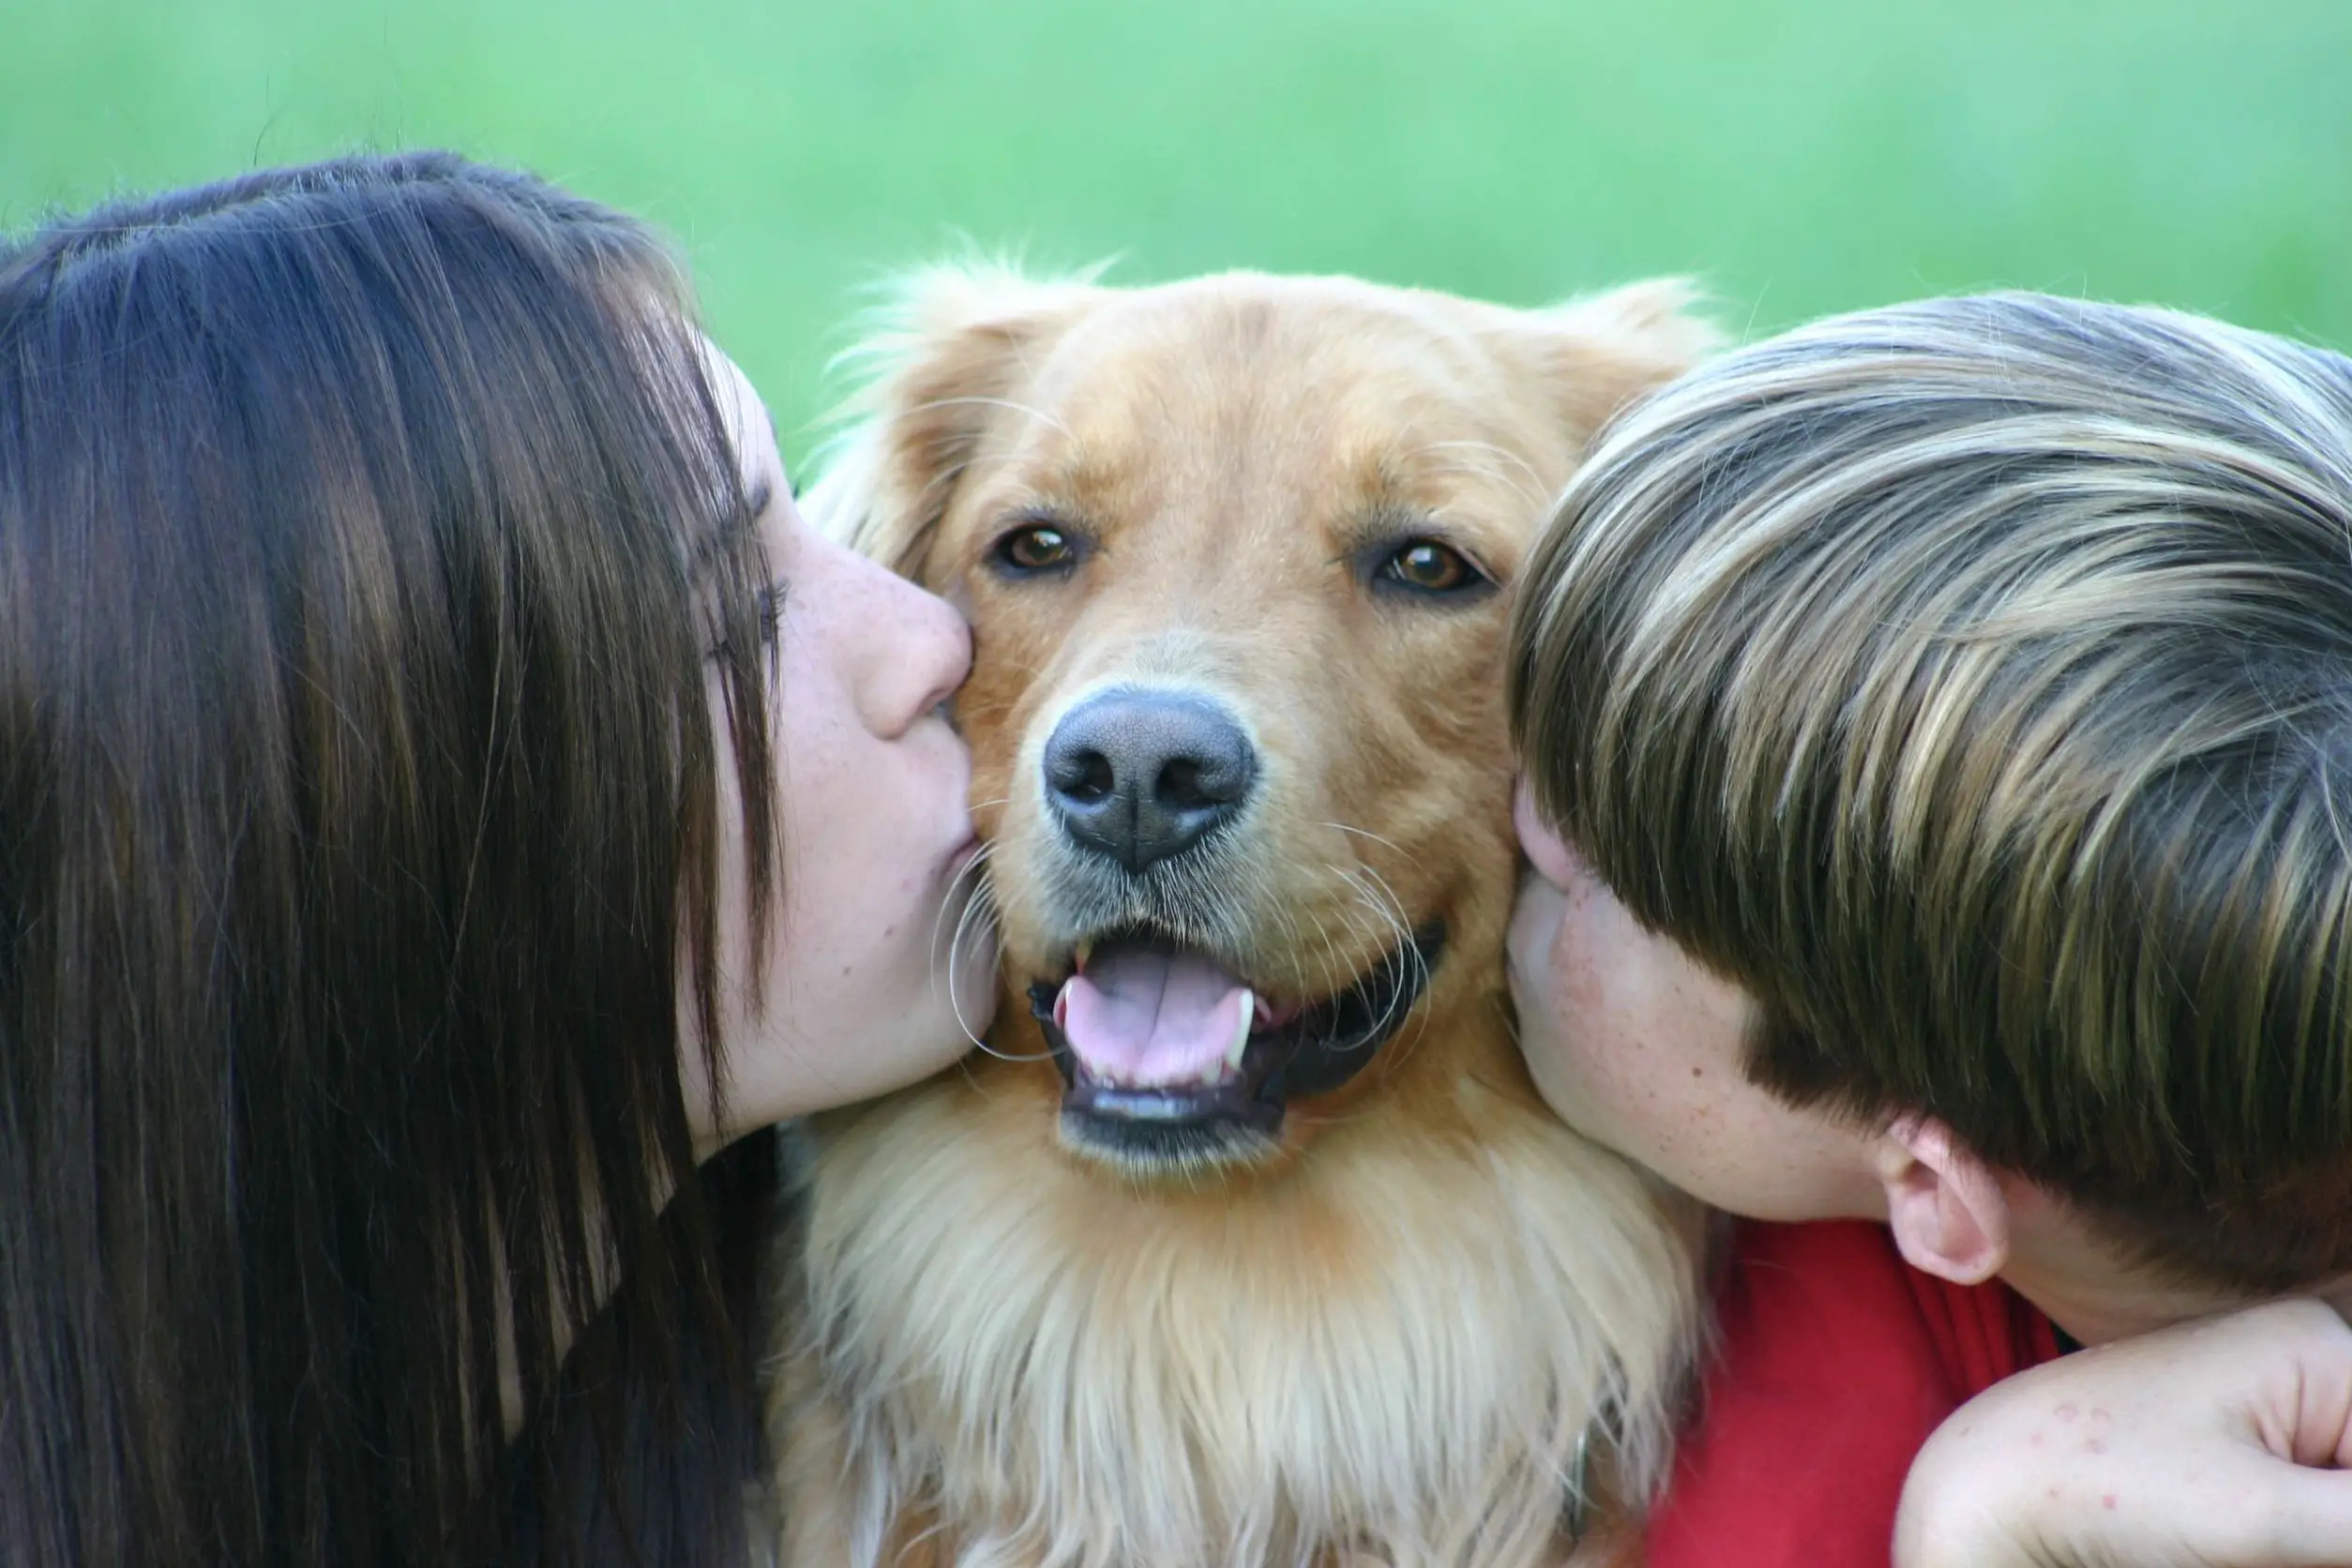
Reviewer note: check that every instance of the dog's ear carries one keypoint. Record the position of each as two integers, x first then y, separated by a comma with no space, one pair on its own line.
939,363
1601,352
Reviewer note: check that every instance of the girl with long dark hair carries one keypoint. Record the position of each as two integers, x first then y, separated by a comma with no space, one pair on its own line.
447,795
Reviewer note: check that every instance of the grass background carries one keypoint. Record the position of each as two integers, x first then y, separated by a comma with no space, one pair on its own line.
1799,156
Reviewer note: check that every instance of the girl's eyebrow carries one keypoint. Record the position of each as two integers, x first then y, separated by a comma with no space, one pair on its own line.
761,495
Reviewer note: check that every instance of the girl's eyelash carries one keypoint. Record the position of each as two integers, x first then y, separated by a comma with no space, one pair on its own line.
767,613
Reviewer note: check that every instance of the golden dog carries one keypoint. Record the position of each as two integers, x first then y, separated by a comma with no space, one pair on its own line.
1248,1241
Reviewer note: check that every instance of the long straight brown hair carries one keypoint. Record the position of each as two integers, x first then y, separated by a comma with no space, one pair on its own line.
366,533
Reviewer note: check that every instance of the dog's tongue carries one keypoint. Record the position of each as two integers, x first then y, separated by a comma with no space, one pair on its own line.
1145,1018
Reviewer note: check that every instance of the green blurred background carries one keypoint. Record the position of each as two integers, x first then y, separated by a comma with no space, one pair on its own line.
1797,155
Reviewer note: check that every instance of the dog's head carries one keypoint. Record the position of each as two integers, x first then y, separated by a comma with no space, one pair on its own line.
1236,554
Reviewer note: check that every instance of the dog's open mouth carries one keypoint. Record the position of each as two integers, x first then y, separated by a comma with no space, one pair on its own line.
1168,1056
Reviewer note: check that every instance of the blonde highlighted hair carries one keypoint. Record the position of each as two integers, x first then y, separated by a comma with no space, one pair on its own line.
1973,681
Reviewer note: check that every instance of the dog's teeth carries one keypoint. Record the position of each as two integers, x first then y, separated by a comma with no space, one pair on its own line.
1241,1030
1085,951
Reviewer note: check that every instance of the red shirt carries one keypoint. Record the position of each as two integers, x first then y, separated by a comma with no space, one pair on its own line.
1834,1360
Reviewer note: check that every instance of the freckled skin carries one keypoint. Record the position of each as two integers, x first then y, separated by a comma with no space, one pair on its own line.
872,796
2228,1435
1638,1045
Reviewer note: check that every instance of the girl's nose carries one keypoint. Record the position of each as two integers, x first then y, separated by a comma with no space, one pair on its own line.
912,649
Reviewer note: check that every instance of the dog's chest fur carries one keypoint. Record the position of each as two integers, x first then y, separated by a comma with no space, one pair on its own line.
1392,1359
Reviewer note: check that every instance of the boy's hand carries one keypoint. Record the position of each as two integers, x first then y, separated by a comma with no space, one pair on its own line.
2219,1443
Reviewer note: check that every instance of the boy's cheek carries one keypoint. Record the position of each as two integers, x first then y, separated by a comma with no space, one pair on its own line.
1534,939
1538,983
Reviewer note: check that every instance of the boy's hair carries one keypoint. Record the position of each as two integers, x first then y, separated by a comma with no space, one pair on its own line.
1971,679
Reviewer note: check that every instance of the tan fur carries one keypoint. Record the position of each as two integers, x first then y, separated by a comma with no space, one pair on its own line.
1388,1340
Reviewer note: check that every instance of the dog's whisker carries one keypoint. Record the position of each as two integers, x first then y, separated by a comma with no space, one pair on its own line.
1389,844
1404,923
1532,499
1407,951
1378,900
1332,964
1529,488
1009,404
1491,449
1382,897
979,910
974,869
978,916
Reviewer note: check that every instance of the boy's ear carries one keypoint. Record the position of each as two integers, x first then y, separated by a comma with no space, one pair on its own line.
1945,1206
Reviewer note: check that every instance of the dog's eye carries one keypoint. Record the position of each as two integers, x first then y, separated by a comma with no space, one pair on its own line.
1427,566
1037,547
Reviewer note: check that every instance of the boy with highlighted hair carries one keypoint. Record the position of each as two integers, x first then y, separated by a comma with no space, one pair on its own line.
1937,726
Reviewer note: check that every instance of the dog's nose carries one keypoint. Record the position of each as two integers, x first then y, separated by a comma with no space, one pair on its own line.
1139,775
